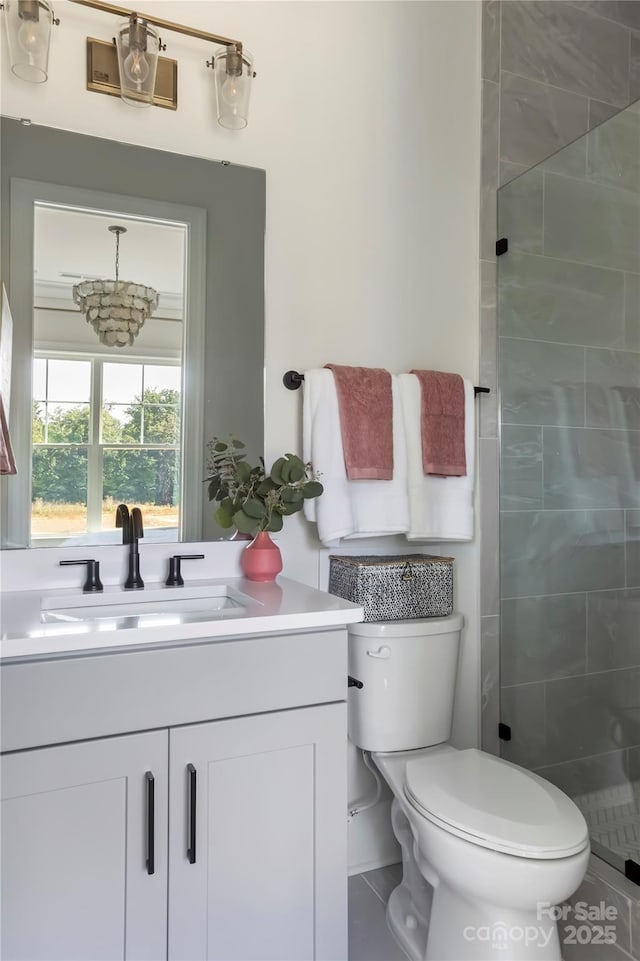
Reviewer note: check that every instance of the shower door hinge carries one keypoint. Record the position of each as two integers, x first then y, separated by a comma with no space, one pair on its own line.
632,870
502,246
504,732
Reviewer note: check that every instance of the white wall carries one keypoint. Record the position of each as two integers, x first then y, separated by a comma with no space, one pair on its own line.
366,117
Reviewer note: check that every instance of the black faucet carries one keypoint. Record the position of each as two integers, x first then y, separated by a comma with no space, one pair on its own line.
132,530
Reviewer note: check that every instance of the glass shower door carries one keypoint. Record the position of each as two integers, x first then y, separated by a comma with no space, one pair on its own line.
569,349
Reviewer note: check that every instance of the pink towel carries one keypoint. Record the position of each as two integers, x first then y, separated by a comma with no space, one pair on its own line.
7,461
442,423
365,403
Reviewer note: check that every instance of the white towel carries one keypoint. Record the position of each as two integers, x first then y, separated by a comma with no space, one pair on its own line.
349,509
440,508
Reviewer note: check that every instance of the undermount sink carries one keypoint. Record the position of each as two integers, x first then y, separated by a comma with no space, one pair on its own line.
147,608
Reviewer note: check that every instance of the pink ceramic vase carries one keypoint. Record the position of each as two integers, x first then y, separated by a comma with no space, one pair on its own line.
261,560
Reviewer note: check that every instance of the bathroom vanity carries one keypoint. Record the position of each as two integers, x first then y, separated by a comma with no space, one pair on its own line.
174,789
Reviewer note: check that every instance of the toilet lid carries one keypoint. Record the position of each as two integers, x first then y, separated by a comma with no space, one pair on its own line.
495,804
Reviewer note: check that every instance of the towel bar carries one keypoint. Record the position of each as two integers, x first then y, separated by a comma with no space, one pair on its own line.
292,380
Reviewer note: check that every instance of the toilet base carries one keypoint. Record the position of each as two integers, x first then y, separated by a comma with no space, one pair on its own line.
433,921
459,931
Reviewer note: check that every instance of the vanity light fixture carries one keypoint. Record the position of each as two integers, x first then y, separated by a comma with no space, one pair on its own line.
116,309
138,44
29,33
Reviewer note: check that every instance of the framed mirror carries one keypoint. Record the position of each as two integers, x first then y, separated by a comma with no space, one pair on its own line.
93,423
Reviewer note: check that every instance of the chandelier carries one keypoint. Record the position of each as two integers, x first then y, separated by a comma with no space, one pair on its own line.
116,309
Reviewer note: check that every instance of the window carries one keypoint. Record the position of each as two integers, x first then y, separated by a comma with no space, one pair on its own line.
104,432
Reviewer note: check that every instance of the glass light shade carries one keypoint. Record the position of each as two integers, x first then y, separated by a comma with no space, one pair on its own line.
233,75
138,46
29,33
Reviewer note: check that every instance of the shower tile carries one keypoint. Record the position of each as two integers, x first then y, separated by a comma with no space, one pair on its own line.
626,12
613,155
542,638
563,48
570,161
591,223
536,120
632,549
488,403
553,300
587,774
592,714
599,112
520,212
489,575
489,169
523,709
593,469
613,629
632,311
541,383
521,468
634,70
490,691
613,389
491,40
561,552
509,171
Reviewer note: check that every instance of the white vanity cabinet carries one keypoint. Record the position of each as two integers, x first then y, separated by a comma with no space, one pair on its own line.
256,838
235,787
75,881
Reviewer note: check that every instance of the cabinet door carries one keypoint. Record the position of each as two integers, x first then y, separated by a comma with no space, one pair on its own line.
76,838
257,838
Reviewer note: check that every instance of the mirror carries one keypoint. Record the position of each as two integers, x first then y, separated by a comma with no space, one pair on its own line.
195,233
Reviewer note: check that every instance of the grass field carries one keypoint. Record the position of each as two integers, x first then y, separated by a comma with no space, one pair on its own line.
65,519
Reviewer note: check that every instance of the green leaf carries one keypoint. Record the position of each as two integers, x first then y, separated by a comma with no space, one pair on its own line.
237,443
312,489
244,523
277,471
254,508
243,472
213,488
292,495
223,516
287,509
275,524
296,472
265,487
219,446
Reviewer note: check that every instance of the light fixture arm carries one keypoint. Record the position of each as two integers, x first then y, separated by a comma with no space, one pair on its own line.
163,24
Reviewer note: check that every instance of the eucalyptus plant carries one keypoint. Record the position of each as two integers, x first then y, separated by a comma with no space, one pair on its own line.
249,498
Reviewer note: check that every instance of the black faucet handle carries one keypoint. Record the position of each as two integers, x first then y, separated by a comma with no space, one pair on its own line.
175,578
92,584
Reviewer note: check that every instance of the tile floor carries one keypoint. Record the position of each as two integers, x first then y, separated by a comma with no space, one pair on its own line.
370,939
613,816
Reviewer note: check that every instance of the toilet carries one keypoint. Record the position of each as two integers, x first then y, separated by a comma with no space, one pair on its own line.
488,848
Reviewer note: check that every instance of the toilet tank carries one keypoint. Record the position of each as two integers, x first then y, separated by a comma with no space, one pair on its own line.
408,671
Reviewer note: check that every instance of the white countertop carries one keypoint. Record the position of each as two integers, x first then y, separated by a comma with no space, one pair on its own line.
283,605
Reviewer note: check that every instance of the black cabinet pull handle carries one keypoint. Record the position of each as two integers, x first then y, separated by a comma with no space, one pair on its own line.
191,850
151,822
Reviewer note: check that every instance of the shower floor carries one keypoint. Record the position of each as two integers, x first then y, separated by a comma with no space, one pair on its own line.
613,817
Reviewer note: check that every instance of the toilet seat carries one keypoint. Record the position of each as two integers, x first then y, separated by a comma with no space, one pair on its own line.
495,804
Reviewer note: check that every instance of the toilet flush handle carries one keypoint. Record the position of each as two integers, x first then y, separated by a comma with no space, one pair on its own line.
383,652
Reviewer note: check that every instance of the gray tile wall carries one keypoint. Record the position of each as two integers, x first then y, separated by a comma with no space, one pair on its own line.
551,72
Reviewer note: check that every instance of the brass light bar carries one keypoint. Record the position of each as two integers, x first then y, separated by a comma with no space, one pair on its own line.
164,24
